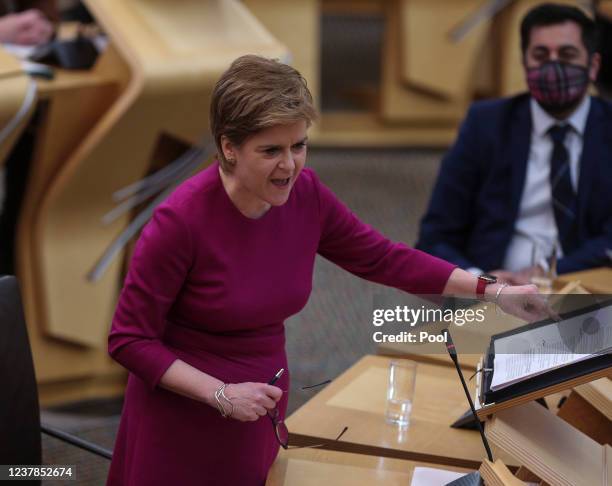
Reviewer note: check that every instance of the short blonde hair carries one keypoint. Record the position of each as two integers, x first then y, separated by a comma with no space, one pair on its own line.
257,93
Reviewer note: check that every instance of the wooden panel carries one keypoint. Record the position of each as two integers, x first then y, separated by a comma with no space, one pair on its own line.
352,7
68,117
400,103
599,394
582,415
494,408
174,55
99,130
301,38
497,474
367,130
109,384
439,400
548,446
73,103
430,59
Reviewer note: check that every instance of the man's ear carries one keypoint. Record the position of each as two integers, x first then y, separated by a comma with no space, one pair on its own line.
594,66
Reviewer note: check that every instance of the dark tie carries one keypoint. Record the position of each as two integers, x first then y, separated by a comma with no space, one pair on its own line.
564,199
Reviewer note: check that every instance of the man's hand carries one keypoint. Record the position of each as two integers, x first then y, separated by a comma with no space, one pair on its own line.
26,28
522,277
503,276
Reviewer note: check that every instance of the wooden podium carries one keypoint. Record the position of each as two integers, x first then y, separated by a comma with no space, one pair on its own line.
551,448
497,474
570,447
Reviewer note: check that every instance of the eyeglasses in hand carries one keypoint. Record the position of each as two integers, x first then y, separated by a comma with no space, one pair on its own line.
282,433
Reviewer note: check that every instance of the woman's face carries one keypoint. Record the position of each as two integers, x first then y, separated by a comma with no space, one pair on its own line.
267,165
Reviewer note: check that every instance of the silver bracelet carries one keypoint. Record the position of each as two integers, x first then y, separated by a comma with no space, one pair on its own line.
220,394
501,287
220,406
228,400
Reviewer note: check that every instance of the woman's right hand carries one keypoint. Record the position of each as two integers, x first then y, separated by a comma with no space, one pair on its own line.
252,400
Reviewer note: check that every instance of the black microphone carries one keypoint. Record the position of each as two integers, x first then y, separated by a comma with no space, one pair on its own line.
450,347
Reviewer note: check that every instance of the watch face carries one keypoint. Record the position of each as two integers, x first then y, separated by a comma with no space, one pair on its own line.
490,279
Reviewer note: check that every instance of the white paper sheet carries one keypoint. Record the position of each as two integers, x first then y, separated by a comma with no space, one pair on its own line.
536,351
428,476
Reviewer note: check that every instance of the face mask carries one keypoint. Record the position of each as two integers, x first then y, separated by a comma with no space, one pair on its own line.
558,86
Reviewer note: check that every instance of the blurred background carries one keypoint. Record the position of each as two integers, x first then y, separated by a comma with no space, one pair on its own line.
122,94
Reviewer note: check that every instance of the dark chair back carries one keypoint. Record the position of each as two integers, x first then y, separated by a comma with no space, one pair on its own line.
20,441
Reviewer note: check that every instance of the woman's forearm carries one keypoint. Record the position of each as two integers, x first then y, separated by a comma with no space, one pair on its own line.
522,301
248,401
188,381
462,283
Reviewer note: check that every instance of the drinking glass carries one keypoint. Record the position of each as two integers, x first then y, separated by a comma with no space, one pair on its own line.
400,392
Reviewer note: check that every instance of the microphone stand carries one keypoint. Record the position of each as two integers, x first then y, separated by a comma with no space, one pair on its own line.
450,347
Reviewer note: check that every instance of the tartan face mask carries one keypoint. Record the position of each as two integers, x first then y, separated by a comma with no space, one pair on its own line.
558,86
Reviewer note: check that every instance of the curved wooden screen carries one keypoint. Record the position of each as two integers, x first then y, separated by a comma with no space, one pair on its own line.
166,57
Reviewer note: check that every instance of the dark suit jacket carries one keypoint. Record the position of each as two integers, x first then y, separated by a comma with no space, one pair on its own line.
476,199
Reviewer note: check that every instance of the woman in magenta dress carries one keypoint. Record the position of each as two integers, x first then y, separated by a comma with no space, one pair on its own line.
221,265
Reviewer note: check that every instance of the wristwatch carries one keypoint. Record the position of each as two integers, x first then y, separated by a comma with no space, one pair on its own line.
484,280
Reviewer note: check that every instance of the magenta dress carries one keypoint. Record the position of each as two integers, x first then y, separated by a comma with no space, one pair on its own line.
212,287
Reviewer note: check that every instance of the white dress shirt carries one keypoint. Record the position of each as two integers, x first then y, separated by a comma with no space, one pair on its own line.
535,231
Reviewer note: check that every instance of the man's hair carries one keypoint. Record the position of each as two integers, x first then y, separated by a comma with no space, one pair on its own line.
253,94
554,13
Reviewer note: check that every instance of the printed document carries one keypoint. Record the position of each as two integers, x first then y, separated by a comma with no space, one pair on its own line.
535,351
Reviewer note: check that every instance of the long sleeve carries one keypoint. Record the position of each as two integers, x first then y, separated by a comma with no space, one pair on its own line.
160,263
361,250
445,227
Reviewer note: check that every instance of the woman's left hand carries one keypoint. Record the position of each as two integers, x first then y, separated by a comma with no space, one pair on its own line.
524,302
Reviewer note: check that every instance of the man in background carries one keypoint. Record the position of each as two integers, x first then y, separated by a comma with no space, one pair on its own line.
531,175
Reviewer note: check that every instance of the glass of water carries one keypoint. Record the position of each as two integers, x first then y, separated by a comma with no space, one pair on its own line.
400,392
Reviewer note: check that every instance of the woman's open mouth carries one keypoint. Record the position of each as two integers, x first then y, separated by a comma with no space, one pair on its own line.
281,182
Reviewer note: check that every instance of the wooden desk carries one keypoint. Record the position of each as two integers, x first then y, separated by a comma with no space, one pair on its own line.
468,362
305,467
595,280
357,399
